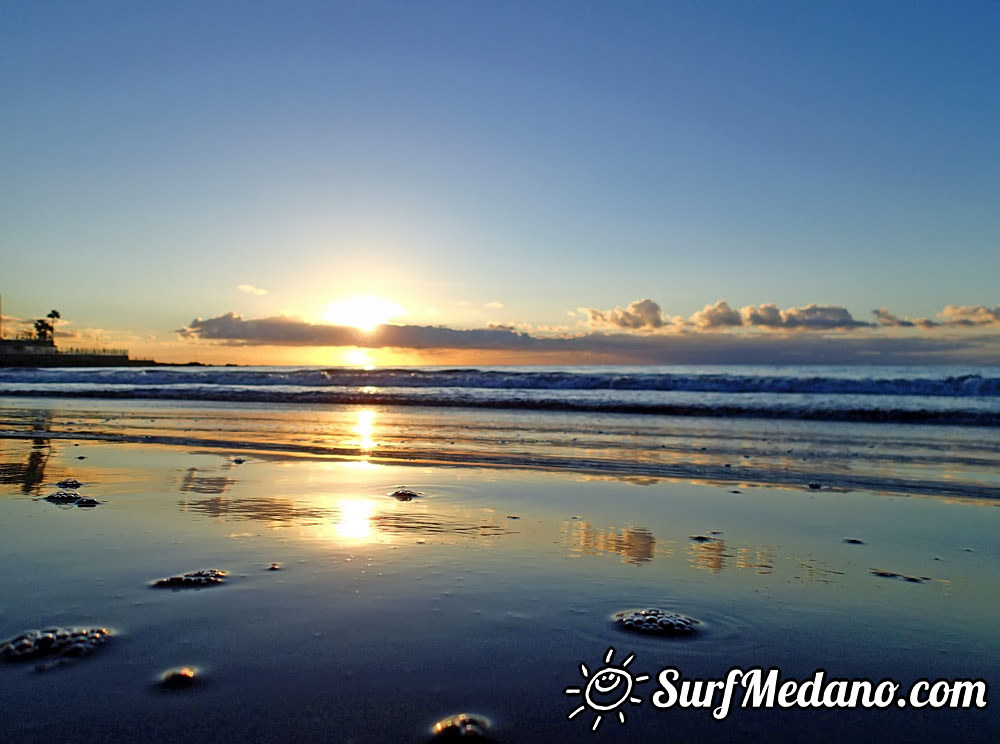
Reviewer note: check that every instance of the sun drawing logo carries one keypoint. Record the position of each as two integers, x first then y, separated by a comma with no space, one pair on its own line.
606,689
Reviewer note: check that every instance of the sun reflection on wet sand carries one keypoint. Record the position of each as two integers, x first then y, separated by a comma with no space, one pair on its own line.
365,428
356,519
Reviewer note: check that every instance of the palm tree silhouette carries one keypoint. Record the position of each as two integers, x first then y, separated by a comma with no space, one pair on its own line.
53,316
43,329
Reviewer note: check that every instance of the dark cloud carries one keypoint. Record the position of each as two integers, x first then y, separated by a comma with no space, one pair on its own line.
639,315
885,318
284,331
952,316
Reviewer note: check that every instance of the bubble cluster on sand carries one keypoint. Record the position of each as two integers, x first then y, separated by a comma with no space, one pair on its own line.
461,725
70,498
194,580
64,642
656,622
404,494
180,678
69,483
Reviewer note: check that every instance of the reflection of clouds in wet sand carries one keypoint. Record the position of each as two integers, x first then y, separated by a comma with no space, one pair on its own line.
635,545
194,483
709,554
274,510
349,518
638,546
760,559
712,554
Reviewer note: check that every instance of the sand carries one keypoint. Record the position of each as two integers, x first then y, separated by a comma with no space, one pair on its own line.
351,615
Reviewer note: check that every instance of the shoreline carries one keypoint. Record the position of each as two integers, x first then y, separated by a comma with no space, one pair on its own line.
947,462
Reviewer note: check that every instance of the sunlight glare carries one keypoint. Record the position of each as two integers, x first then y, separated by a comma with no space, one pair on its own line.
356,519
365,428
360,358
365,312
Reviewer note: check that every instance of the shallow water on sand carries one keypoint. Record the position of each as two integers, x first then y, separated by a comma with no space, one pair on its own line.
957,461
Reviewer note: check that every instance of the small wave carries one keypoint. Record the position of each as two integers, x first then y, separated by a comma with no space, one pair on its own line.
954,385
873,414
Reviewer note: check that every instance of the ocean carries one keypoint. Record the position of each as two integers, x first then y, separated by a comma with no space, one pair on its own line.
931,395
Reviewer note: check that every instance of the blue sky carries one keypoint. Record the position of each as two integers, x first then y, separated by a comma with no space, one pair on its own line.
477,163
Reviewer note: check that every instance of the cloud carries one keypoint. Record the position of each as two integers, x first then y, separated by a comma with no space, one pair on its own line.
705,347
885,318
639,315
808,318
288,331
646,315
493,305
978,315
718,315
951,317
250,289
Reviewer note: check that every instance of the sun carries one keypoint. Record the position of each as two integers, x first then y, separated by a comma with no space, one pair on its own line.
607,689
365,312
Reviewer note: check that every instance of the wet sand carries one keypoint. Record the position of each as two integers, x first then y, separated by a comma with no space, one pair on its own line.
483,593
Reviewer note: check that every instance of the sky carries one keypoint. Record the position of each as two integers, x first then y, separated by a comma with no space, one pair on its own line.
504,182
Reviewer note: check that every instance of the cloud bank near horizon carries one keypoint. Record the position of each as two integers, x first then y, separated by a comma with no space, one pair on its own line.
646,315
641,333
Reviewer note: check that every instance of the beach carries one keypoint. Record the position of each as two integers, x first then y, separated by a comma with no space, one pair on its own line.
389,566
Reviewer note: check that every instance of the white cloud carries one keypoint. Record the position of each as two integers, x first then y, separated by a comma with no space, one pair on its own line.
977,315
639,315
252,290
718,315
